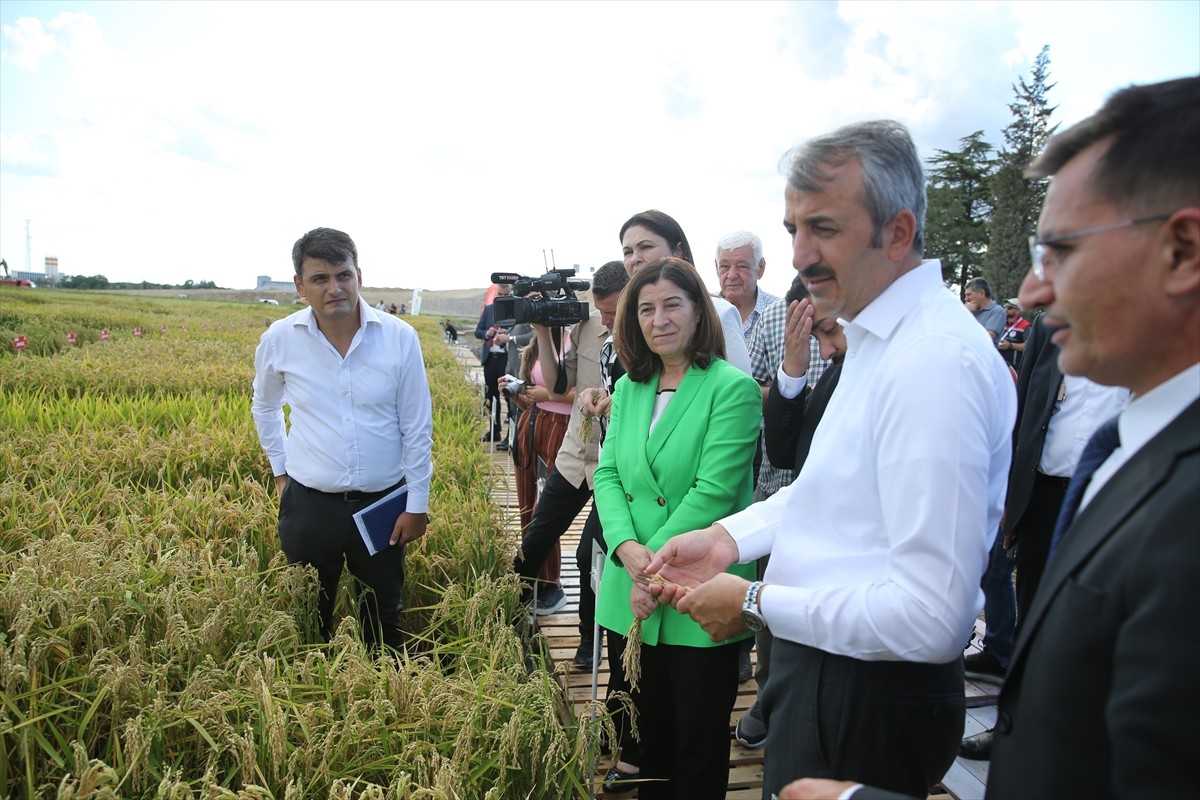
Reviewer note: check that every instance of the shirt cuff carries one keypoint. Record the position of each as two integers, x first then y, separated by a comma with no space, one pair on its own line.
417,503
790,387
278,464
846,795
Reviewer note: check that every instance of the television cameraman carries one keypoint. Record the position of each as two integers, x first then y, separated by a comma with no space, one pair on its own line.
569,485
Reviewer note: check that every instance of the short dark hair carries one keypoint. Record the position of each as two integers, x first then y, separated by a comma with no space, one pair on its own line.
979,284
1153,162
797,291
665,226
893,178
708,341
325,244
609,280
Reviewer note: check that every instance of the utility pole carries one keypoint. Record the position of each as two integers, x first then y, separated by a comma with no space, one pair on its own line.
28,260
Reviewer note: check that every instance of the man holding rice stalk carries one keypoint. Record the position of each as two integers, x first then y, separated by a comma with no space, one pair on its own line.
878,546
361,425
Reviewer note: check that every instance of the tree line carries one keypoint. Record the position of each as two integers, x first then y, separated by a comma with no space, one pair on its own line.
101,282
982,210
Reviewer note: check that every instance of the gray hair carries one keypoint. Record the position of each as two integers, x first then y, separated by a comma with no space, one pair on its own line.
979,284
732,241
893,179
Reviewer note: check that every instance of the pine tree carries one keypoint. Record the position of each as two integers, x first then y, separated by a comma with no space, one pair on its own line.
1017,201
956,222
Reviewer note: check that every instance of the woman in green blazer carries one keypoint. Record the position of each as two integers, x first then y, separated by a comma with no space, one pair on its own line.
678,455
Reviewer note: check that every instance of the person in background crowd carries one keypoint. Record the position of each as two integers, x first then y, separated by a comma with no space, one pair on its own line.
740,266
493,357
540,430
568,485
1012,339
989,314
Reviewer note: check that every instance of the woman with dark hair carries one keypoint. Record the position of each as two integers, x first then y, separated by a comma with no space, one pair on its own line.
656,235
652,235
678,455
541,428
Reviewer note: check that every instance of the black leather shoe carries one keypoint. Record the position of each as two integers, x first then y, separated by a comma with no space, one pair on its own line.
982,665
977,747
502,445
584,659
616,781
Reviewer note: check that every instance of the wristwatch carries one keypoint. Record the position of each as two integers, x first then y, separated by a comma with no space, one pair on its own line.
750,613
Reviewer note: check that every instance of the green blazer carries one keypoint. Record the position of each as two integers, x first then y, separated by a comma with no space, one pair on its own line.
695,468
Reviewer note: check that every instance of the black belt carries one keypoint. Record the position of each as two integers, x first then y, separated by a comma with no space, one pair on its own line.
1056,481
351,496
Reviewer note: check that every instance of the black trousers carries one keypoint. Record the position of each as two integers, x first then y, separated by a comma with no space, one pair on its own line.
318,529
685,699
891,724
583,560
557,507
1033,537
493,370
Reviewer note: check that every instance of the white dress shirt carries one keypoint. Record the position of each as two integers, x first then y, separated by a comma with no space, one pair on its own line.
1084,407
885,532
1142,420
359,423
735,342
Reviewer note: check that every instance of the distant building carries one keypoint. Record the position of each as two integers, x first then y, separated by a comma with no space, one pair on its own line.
38,278
266,284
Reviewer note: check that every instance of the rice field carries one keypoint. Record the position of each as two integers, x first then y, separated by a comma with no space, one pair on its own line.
153,641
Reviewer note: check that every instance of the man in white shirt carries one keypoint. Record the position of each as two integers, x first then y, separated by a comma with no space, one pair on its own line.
878,547
361,425
1101,690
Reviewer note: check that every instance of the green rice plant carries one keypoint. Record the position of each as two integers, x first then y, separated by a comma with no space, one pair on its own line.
154,643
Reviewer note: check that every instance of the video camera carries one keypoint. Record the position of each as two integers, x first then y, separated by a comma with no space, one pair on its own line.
558,307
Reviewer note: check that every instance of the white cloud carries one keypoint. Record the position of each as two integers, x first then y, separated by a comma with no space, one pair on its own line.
198,140
26,43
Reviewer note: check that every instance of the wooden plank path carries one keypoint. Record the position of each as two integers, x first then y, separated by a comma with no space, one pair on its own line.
965,779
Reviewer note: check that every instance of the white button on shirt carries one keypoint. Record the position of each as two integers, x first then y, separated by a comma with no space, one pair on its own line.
878,546
358,423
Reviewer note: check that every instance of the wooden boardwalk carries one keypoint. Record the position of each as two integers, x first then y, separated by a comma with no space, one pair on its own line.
964,781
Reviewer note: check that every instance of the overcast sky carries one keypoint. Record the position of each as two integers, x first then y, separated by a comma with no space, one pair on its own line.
164,141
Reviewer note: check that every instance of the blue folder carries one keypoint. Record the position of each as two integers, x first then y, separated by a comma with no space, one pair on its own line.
377,521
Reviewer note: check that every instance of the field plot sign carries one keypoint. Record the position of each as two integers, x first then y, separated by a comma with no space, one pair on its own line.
72,338
19,344
104,335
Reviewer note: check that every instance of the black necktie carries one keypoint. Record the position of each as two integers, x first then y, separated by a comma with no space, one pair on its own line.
1096,452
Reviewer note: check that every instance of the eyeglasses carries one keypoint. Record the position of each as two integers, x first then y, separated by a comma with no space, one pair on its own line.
1041,253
